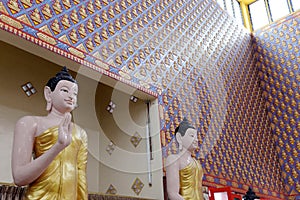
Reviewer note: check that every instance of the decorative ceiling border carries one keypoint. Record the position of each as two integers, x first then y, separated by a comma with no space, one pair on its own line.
42,39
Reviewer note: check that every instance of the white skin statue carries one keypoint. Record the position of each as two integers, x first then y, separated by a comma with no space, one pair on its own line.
188,142
60,103
58,168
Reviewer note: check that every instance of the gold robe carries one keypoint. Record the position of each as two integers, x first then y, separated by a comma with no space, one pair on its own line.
65,177
191,181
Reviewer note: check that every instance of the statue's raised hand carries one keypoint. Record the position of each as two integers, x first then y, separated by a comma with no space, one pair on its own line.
65,131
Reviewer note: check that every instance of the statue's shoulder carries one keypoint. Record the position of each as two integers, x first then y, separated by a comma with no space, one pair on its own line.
82,133
27,125
26,120
172,158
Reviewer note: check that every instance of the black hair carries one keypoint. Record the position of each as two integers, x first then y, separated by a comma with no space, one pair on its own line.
183,126
62,75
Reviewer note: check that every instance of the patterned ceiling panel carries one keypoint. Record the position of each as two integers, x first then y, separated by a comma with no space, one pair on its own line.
278,54
135,42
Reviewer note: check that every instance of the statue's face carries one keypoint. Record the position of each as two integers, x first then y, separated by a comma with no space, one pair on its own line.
64,97
190,139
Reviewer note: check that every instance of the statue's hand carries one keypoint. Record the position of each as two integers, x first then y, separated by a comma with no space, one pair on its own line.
65,131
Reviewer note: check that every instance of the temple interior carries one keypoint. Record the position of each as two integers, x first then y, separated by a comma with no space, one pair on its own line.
142,66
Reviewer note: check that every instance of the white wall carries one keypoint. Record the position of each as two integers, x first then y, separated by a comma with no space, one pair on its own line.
120,168
8,118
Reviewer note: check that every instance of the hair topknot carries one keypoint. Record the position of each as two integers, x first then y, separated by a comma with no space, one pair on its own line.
62,75
183,126
63,72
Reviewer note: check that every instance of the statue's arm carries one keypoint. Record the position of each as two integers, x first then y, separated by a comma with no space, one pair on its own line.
82,163
173,180
24,169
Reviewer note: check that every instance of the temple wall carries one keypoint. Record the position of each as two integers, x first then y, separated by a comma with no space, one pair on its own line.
278,59
196,60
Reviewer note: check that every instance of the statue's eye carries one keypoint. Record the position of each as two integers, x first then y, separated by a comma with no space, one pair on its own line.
64,90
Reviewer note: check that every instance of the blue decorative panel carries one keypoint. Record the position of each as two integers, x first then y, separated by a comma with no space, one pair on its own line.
278,54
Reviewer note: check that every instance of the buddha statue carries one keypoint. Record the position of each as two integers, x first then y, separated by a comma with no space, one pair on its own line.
14,6
97,20
90,7
65,21
67,4
97,39
118,41
89,44
50,152
104,16
90,25
36,17
98,4
57,7
47,11
74,17
73,36
82,12
111,12
82,31
55,27
183,172
118,24
117,8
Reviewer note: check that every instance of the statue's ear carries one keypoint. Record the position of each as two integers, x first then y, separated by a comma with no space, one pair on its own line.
179,140
47,94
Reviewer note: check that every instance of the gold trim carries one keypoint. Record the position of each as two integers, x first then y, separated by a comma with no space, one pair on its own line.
26,3
46,38
9,184
81,47
45,29
76,52
11,22
244,4
2,8
125,75
65,39
24,19
102,65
